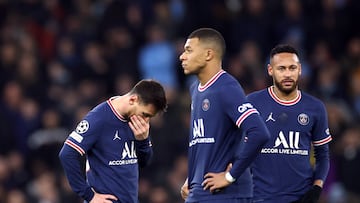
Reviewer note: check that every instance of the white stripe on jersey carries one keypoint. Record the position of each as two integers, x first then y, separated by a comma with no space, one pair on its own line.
323,141
245,115
75,146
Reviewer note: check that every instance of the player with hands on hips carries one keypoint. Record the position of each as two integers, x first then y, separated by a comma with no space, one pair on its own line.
225,128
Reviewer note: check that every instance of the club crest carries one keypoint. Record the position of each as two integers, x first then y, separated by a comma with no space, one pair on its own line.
205,105
303,119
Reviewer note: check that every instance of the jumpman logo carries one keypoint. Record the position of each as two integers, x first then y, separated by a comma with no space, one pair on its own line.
117,136
270,118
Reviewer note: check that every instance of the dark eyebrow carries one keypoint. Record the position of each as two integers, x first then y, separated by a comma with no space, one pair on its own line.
147,115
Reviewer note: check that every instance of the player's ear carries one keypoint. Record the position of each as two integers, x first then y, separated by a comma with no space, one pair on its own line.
133,98
209,54
300,68
270,69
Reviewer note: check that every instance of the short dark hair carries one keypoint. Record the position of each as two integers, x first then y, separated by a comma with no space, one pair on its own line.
151,92
210,35
283,48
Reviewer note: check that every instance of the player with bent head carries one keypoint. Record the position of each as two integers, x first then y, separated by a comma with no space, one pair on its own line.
297,121
114,137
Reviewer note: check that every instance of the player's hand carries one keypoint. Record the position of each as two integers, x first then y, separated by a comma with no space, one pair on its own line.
216,181
185,190
103,198
140,127
312,195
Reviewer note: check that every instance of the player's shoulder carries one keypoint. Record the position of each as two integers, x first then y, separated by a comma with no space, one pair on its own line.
226,80
311,99
257,94
100,111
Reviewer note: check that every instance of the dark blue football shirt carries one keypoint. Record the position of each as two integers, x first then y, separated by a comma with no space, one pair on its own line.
282,172
112,153
219,111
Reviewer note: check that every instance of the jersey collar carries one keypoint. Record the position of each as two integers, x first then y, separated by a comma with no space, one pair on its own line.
119,116
211,81
283,102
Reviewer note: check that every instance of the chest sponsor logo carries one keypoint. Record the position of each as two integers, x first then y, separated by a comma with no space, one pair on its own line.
199,133
128,155
286,144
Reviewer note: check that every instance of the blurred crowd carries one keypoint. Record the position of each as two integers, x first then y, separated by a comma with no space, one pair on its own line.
59,58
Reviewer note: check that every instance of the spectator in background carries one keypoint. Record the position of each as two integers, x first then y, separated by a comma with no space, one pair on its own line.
348,157
16,196
354,86
11,101
157,60
47,140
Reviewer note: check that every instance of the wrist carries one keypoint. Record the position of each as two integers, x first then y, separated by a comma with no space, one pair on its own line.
88,194
229,177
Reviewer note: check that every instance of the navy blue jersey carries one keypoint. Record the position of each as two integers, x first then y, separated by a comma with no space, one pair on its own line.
218,111
282,172
112,152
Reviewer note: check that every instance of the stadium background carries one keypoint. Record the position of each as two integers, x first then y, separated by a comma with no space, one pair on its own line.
59,58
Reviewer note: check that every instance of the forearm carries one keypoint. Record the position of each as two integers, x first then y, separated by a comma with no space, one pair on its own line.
70,160
144,152
322,164
256,137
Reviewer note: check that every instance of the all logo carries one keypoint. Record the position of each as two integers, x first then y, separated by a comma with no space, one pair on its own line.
198,129
292,140
129,151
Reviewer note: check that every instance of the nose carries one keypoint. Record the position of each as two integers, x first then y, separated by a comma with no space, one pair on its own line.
181,57
287,72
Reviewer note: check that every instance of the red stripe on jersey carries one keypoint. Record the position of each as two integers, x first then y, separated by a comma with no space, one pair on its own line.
283,102
245,115
119,116
323,141
211,81
75,146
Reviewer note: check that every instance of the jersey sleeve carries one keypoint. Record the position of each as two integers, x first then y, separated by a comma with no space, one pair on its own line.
246,117
85,134
144,152
321,134
235,104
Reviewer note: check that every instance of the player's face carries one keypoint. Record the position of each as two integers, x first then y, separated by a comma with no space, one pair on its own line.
193,59
285,70
140,109
146,111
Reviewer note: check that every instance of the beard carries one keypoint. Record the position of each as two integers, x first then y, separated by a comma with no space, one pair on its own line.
286,89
